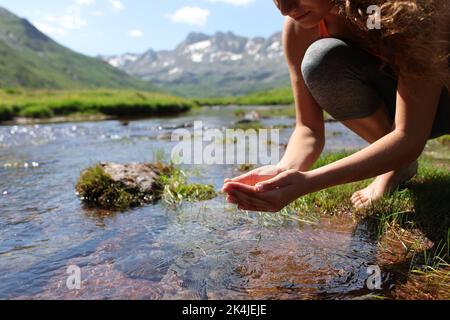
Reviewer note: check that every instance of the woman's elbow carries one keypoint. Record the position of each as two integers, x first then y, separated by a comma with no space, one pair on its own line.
412,145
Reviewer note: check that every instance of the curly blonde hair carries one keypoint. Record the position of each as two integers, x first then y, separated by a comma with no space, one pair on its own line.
414,35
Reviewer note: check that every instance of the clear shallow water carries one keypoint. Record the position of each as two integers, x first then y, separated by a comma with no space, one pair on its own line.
205,250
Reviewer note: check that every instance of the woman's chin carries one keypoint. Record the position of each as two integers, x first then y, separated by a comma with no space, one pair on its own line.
308,22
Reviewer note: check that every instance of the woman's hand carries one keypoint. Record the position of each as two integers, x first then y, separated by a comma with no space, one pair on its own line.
258,175
271,195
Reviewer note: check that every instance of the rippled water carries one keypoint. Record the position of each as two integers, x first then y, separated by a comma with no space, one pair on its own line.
205,250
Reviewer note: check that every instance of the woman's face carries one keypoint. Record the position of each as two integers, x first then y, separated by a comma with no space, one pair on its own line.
308,13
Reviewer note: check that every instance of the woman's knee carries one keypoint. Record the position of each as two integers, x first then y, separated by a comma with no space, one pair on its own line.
324,59
336,75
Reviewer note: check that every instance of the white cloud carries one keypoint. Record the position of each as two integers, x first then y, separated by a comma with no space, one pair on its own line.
117,5
71,20
135,33
84,2
238,3
191,15
99,13
61,25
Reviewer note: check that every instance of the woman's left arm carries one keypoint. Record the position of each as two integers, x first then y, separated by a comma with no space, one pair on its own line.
417,103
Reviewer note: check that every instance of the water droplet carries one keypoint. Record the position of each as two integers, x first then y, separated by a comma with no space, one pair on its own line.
5,193
26,165
35,164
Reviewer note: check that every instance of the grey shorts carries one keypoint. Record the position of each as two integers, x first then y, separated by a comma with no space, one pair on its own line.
350,83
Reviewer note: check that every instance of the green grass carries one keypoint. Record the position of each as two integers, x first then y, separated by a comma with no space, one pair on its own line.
281,96
118,103
177,190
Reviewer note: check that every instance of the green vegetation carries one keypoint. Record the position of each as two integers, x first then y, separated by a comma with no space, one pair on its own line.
96,187
30,59
281,96
177,189
125,103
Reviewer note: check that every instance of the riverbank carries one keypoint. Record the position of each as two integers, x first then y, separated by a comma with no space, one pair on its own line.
85,104
282,96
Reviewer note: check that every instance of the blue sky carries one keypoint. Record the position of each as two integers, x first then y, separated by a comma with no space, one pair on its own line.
117,26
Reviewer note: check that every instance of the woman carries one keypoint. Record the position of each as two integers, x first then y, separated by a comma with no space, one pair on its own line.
389,85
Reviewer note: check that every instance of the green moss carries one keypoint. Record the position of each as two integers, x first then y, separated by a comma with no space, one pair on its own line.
177,189
98,188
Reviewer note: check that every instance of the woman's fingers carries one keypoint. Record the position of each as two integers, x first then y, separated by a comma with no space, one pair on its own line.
248,199
230,186
255,176
245,205
246,178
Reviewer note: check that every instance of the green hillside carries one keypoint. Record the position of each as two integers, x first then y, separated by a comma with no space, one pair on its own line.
30,59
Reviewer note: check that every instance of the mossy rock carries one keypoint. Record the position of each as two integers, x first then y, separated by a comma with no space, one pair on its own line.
118,187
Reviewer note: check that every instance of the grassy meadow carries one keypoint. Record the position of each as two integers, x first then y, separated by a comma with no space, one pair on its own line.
282,96
53,103
44,104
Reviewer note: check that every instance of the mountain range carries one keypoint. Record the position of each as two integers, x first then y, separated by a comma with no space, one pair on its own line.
30,59
211,65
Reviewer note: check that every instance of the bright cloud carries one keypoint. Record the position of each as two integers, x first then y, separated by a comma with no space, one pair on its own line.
71,20
84,2
61,25
190,15
117,5
235,2
135,33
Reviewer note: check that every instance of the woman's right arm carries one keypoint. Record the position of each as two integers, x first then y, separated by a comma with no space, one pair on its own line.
308,139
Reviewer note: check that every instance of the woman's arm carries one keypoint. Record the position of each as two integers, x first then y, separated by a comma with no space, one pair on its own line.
308,138
417,102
